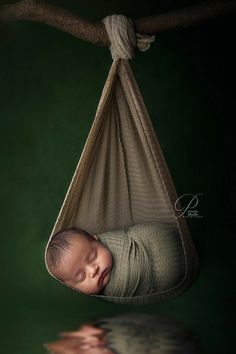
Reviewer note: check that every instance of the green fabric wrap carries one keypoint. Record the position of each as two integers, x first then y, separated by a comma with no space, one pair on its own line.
148,260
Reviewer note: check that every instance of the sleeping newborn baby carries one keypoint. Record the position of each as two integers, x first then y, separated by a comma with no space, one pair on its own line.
136,261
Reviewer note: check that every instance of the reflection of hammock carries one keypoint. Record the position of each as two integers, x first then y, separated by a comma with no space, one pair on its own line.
122,177
147,334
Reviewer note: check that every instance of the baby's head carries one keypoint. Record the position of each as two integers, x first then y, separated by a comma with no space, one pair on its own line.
79,260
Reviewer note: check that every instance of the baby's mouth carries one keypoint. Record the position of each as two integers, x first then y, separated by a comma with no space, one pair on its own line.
102,276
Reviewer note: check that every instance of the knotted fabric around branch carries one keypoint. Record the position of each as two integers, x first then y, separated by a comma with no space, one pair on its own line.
123,38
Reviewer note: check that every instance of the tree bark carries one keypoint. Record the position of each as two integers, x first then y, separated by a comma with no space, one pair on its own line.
95,32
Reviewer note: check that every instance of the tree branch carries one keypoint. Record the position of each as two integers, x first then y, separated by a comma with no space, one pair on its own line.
95,32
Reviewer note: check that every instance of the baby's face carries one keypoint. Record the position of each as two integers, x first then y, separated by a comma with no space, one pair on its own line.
85,266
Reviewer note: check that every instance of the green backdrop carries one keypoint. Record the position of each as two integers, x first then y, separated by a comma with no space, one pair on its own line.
50,85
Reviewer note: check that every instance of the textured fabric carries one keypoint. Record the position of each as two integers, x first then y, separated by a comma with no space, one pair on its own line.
147,258
122,178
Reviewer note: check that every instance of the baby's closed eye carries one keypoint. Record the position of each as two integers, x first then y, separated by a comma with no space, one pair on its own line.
92,256
80,277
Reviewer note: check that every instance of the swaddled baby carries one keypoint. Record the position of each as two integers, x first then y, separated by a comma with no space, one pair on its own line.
137,260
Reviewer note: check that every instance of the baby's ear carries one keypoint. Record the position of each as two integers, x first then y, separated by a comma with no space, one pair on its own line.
95,236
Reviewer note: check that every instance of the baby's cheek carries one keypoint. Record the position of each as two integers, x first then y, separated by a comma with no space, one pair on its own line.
89,289
109,257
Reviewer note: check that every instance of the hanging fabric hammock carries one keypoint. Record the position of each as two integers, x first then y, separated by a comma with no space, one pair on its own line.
122,178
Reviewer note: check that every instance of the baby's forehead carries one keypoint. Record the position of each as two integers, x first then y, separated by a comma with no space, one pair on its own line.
81,240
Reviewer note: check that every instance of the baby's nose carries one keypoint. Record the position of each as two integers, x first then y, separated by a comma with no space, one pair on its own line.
93,270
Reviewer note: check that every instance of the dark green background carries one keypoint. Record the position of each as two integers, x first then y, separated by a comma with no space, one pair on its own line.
50,85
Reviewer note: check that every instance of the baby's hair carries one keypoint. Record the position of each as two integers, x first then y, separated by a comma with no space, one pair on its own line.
60,244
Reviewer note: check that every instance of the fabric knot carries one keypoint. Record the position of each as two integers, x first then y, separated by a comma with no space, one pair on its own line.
121,33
